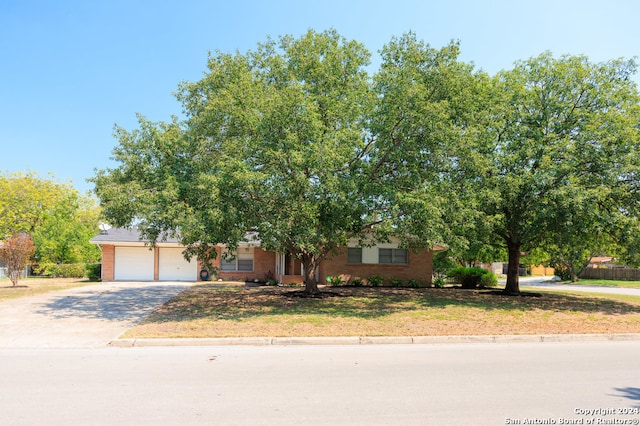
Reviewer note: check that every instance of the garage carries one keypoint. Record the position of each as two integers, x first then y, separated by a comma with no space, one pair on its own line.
133,264
172,266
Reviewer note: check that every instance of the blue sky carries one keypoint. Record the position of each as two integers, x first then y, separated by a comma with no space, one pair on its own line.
71,69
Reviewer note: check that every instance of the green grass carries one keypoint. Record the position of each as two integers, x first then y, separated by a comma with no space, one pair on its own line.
33,286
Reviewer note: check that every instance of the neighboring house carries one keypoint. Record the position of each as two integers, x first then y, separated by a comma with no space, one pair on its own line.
603,262
125,257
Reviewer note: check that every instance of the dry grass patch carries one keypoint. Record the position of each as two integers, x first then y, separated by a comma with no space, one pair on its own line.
33,286
214,311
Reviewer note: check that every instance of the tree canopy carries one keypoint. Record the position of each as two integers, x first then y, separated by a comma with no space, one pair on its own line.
297,142
24,199
562,153
58,219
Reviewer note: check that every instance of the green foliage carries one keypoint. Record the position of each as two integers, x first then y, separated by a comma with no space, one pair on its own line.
439,282
59,220
274,143
59,270
64,234
296,142
375,280
356,282
489,280
396,282
560,154
412,282
473,277
24,200
335,281
94,271
442,263
562,272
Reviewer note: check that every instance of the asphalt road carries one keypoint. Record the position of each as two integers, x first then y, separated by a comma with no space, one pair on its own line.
456,384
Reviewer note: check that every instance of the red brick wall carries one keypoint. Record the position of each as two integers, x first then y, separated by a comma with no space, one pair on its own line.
108,259
156,263
263,263
419,266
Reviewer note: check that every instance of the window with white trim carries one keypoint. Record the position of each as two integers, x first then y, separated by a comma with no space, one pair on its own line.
393,256
241,260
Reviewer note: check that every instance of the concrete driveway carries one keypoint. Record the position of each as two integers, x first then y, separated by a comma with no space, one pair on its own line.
83,317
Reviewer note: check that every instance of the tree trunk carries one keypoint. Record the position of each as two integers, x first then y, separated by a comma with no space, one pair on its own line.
310,264
513,283
572,271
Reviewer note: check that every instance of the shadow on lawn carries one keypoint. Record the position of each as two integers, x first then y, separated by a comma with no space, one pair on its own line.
216,303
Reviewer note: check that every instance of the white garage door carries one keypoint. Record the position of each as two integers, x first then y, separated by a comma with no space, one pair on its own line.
133,264
173,266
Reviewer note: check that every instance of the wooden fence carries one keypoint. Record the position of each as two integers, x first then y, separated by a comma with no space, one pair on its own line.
627,274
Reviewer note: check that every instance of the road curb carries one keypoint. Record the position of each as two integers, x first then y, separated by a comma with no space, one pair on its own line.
373,340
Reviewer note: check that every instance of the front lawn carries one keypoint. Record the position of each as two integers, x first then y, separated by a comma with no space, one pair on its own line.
31,286
212,310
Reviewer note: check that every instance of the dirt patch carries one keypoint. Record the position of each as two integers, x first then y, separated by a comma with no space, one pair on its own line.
214,311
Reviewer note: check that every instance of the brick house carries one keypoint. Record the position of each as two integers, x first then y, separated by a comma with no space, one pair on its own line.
125,257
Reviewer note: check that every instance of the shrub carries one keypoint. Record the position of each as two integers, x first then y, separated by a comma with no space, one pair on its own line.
562,272
376,280
335,281
356,282
438,282
94,271
489,280
396,282
61,270
412,282
472,277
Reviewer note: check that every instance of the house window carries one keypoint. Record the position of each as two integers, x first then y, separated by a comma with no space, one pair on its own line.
397,256
354,255
241,260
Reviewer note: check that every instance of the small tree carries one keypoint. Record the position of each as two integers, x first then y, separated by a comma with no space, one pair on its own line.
16,253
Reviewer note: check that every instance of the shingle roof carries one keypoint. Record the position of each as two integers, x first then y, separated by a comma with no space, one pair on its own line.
122,235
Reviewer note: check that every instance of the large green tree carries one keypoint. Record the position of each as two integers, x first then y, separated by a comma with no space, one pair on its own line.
274,142
563,154
426,124
24,200
64,233
296,142
58,218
